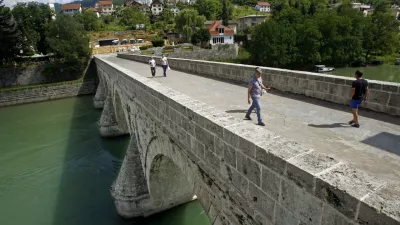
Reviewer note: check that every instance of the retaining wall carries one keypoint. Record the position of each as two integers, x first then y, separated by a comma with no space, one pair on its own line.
46,92
384,96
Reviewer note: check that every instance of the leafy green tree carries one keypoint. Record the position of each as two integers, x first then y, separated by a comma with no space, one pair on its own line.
273,44
211,9
167,16
89,20
131,16
158,41
70,42
381,34
312,9
8,34
187,21
201,36
32,19
226,13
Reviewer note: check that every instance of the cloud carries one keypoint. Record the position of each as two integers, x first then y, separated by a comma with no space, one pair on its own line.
11,3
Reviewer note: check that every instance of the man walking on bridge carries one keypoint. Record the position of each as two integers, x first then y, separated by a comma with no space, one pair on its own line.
254,93
164,64
152,64
359,92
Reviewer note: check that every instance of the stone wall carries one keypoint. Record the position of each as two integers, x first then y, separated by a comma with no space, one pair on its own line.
46,92
241,173
217,52
384,96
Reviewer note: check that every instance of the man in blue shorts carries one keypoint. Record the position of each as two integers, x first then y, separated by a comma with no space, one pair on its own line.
359,92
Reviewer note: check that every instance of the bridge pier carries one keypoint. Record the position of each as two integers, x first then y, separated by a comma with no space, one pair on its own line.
108,124
100,97
129,190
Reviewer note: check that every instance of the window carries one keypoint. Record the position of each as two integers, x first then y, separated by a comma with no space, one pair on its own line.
220,30
218,40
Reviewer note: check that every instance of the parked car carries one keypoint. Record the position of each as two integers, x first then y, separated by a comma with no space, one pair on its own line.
397,62
140,41
132,41
124,42
323,69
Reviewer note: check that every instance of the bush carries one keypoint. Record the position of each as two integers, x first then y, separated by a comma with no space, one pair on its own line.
145,47
158,42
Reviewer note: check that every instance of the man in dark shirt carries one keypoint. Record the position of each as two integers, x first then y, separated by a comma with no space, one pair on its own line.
359,92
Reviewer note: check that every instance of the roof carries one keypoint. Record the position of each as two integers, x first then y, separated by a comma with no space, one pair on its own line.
105,2
230,22
156,3
70,6
213,28
263,4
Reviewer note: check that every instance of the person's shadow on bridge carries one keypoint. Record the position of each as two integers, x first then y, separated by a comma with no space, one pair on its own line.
333,125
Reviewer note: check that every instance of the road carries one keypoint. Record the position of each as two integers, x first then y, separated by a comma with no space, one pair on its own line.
374,148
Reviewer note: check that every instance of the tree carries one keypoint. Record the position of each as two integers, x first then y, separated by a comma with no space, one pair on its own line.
273,44
201,36
187,21
312,9
70,42
8,34
211,9
226,13
89,20
131,16
158,41
32,19
380,34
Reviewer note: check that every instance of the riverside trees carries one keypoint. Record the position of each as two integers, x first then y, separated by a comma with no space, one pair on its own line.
8,34
298,39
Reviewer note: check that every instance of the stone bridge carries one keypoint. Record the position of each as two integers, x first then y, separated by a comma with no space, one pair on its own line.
241,173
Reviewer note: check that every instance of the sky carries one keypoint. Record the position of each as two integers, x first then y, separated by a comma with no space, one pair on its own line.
10,3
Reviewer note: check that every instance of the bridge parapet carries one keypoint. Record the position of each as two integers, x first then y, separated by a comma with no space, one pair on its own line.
384,96
241,173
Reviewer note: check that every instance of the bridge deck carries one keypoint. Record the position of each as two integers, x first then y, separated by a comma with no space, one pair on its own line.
374,148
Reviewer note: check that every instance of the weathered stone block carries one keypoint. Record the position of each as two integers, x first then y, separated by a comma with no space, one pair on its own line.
394,100
390,87
261,201
271,183
230,155
378,96
212,159
330,216
249,168
284,217
275,152
302,169
344,186
302,204
205,137
198,148
381,207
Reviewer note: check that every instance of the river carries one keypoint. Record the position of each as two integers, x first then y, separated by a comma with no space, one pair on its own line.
55,169
384,72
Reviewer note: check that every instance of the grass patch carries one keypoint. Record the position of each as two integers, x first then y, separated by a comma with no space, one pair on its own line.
242,11
25,87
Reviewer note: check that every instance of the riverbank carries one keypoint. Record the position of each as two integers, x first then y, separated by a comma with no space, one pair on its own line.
36,93
385,72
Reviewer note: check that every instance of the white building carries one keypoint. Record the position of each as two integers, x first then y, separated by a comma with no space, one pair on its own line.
53,10
156,8
104,7
175,11
70,9
220,34
263,7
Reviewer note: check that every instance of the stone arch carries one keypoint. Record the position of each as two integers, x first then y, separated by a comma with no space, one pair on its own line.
170,177
120,114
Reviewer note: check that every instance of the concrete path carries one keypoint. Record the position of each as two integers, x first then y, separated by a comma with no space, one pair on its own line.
375,147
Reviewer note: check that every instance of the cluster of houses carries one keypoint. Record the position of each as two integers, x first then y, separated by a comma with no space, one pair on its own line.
368,9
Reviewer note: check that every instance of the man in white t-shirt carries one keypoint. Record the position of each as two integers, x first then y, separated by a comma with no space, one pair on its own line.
152,64
164,64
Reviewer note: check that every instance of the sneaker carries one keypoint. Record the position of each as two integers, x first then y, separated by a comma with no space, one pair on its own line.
351,122
247,117
261,123
356,125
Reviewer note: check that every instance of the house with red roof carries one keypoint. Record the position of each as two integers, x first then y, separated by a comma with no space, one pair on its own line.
156,8
263,7
70,9
104,7
220,34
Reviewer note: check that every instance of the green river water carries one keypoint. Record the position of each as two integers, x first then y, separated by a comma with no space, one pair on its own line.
384,72
55,169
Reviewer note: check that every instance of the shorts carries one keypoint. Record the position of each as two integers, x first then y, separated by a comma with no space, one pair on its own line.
355,103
